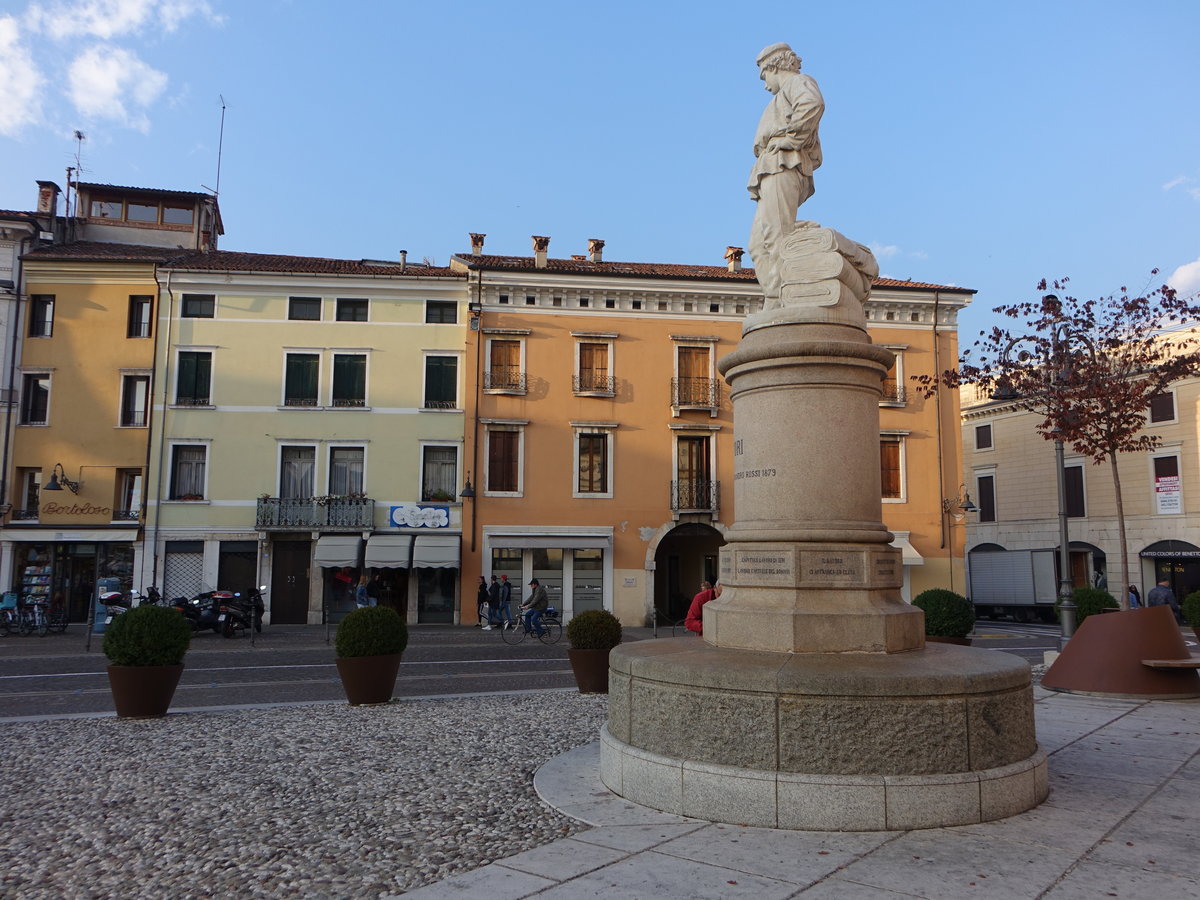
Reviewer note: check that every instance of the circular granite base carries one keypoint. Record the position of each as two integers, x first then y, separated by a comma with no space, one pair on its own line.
827,742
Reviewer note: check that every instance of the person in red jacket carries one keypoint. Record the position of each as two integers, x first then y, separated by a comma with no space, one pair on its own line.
695,617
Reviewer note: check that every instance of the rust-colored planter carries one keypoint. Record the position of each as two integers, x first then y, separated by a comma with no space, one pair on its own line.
939,639
143,692
369,679
591,670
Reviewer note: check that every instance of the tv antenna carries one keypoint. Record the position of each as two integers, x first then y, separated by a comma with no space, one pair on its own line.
77,169
220,144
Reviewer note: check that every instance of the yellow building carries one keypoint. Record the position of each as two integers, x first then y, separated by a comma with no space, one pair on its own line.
84,371
308,428
599,433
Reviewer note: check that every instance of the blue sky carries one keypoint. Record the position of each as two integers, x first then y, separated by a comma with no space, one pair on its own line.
986,145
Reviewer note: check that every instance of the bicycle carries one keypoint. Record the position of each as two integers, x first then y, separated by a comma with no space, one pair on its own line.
33,618
551,628
10,619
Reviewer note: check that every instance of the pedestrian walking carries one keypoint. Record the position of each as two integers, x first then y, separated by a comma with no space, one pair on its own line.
506,602
481,599
1135,597
1162,595
493,603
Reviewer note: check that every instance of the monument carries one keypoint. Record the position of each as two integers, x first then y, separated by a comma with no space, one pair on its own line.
812,701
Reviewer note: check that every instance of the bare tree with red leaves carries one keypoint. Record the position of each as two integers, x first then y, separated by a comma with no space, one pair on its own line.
1089,368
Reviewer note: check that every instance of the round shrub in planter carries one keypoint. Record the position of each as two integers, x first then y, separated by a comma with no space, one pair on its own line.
947,614
145,648
1191,611
369,644
592,634
1089,601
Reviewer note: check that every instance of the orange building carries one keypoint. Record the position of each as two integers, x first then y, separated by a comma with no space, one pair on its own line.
599,434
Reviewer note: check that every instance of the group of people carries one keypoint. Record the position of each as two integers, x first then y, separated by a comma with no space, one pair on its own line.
494,603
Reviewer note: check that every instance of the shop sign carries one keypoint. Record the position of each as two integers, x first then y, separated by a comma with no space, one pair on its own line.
1166,494
412,515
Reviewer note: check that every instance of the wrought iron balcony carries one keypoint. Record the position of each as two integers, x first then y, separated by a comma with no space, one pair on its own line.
696,496
504,378
697,393
300,401
893,393
590,383
193,401
319,513
348,402
29,513
127,515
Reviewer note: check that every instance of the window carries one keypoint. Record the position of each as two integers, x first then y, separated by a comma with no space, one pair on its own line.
592,369
107,209
893,381
141,212
140,308
985,489
591,463
300,379
1073,482
35,399
349,379
193,383
199,306
439,473
305,309
441,382
1167,497
694,486
983,437
694,384
346,470
128,503
504,461
351,310
297,467
187,471
890,472
41,315
29,486
444,312
504,366
177,215
1162,407
135,397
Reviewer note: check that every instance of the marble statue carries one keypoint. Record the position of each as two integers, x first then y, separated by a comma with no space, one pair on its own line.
788,151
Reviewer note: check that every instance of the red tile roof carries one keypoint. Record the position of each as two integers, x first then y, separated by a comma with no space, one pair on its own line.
655,270
16,214
102,251
234,261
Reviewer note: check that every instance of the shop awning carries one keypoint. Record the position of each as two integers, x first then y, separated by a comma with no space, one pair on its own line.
69,534
337,550
908,553
388,551
436,551
573,541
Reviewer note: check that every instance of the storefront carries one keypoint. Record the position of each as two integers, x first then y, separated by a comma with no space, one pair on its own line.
64,567
575,567
1176,561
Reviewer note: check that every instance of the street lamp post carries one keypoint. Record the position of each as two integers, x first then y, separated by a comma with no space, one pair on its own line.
1053,351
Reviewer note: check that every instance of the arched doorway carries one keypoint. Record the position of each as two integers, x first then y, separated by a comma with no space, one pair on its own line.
686,556
1176,561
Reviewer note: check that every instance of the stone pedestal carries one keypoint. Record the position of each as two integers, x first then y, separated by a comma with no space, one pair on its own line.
812,701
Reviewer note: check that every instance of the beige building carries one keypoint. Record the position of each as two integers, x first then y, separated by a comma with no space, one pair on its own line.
1013,541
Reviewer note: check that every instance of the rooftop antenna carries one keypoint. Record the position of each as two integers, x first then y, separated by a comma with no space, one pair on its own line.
80,137
220,144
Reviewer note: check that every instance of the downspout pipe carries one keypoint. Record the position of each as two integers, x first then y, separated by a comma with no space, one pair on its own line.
14,327
162,426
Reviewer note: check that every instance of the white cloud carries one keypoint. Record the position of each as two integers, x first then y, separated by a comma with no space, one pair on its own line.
1174,182
885,251
105,81
1186,279
108,19
20,81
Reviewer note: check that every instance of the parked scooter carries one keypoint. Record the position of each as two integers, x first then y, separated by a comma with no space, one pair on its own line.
115,604
202,610
241,613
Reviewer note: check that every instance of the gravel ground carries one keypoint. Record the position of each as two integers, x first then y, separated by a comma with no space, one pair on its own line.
316,801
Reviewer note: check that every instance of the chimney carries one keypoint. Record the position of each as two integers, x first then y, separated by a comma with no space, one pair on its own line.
477,243
734,255
403,260
48,192
596,249
541,245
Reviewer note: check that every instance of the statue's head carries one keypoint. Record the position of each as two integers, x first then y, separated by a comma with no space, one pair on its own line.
778,57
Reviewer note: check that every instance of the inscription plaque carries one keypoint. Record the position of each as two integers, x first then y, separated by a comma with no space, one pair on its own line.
837,568
765,567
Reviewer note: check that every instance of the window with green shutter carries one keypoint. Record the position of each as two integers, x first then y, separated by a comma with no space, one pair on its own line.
441,382
193,383
300,382
349,379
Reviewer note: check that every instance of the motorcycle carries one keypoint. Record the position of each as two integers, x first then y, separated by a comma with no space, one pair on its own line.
242,613
202,610
115,604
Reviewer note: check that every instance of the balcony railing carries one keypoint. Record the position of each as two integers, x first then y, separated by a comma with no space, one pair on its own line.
327,513
193,401
593,384
28,513
696,496
300,401
127,515
700,393
344,402
504,378
892,393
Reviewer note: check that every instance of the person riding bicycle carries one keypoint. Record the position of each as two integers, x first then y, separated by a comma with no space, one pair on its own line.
534,606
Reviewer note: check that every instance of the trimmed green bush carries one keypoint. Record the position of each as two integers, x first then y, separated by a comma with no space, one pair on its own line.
1191,609
947,614
594,629
371,631
1090,601
147,636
